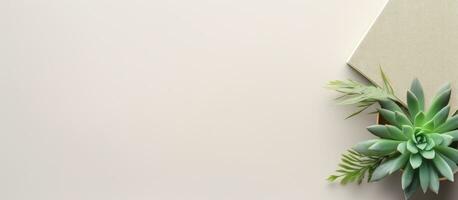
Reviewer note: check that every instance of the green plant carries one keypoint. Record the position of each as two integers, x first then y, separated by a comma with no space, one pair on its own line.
413,139
362,95
354,167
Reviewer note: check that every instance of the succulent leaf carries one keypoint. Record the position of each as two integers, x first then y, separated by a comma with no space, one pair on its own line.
443,167
413,104
441,116
401,118
454,135
384,146
390,105
433,181
407,176
439,101
388,168
417,89
451,153
428,154
412,188
415,160
424,177
389,116
449,125
396,133
402,148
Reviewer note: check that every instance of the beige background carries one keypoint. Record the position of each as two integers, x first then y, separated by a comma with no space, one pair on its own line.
174,100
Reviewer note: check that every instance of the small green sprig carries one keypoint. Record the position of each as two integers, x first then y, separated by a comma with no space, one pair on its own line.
355,167
361,95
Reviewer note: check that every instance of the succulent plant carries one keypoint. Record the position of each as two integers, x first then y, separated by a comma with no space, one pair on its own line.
415,140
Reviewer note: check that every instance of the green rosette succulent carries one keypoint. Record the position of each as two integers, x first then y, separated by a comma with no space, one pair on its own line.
415,140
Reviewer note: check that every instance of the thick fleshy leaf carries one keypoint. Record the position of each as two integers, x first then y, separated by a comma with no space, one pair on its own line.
407,176
402,148
428,154
451,153
396,133
415,160
429,125
449,125
447,140
389,167
389,116
363,147
390,105
450,163
441,116
420,119
401,118
431,144
380,131
386,132
439,101
384,146
399,162
433,181
454,135
408,131
412,147
424,177
413,104
443,167
410,191
437,138
417,89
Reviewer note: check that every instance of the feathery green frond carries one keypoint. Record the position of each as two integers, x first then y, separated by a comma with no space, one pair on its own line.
363,96
355,167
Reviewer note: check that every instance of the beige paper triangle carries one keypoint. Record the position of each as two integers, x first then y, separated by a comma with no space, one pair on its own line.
412,38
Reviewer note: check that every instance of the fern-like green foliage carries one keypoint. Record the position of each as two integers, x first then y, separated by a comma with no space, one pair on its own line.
355,167
363,96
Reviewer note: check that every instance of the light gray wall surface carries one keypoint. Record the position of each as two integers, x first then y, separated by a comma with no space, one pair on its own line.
178,100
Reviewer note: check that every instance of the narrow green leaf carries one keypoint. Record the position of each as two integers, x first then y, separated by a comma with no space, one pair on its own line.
390,117
399,162
415,160
401,118
433,180
410,191
417,89
380,131
443,167
396,133
363,147
384,146
424,177
428,154
390,105
449,125
420,119
402,148
450,162
412,147
454,135
413,104
449,152
447,140
439,101
407,176
441,116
